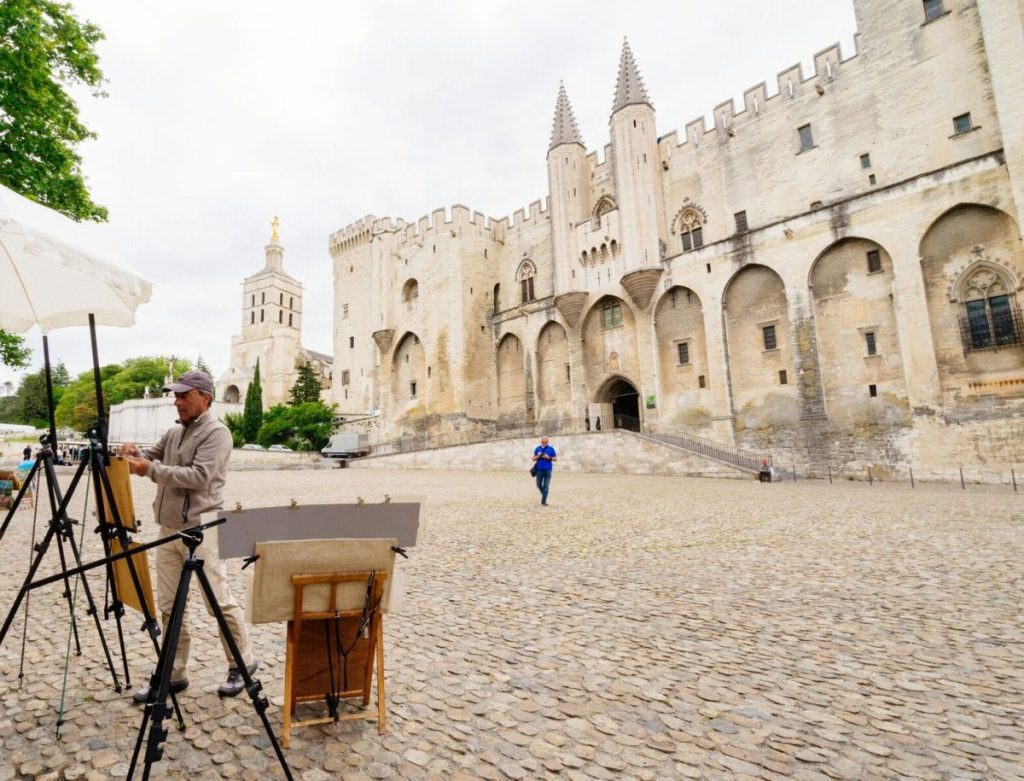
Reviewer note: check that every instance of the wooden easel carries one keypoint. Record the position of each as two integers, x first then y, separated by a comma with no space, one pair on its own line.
309,660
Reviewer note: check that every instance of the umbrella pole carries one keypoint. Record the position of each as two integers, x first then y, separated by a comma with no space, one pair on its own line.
101,420
49,395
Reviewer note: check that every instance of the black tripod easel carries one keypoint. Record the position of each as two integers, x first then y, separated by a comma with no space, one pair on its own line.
110,528
60,527
156,709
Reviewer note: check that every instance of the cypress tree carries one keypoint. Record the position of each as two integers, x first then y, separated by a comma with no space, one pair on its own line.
252,415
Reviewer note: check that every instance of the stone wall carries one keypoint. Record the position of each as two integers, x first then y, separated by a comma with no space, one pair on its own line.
611,452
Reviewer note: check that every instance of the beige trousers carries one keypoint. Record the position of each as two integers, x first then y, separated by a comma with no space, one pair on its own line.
169,559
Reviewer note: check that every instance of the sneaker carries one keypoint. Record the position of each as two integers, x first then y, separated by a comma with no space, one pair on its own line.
142,695
235,682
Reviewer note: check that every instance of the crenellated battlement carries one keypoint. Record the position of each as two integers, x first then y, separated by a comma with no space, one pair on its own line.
361,231
790,84
525,219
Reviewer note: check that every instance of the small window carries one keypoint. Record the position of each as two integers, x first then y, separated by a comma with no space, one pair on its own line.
684,352
351,342
783,377
281,302
253,300
344,311
872,180
252,317
291,302
865,161
280,315
768,332
869,342
289,318
962,123
261,315
526,288
741,221
872,391
263,298
412,389
933,9
345,376
611,315
701,382
428,371
806,137
874,261
568,376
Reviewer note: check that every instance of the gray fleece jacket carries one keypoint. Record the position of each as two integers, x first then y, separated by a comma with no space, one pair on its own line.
189,465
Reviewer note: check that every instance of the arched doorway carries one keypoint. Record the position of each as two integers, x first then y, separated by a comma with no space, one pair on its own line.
231,394
624,399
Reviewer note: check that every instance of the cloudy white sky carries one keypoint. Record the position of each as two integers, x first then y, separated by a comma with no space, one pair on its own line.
223,114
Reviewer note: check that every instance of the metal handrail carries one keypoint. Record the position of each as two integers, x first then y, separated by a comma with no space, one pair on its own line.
747,460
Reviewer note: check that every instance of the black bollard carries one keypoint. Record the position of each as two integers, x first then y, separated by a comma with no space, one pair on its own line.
912,477
963,485
830,474
1013,477
871,480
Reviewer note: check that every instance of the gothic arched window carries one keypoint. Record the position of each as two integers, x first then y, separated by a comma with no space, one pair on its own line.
524,276
691,230
604,205
990,315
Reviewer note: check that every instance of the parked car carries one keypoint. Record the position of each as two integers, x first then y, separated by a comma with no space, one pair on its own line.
281,448
252,446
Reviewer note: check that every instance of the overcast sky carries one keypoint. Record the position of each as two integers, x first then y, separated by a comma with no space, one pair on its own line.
223,114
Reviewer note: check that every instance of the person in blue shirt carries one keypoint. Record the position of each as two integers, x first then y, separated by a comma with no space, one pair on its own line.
544,457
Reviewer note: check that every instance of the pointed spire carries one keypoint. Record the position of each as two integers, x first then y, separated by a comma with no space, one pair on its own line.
629,88
564,129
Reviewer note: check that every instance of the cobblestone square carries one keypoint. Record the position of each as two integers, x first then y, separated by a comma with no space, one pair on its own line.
639,627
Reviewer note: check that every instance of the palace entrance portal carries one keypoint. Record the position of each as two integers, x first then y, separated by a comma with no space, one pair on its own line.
624,400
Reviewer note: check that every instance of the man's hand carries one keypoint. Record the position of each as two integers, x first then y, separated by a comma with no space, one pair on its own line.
138,466
130,449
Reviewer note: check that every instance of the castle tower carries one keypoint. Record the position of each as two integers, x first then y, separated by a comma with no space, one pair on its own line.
569,192
638,186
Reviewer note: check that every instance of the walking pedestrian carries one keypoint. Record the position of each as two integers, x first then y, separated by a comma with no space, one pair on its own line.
544,457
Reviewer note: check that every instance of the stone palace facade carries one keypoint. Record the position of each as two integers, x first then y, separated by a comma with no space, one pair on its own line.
830,271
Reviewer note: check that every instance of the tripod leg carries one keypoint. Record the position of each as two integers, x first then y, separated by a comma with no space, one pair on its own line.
40,552
160,682
67,593
253,687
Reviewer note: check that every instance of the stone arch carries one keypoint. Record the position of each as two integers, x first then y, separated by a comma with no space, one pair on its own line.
232,395
682,358
554,387
758,339
609,329
408,374
622,396
410,291
857,334
604,205
975,331
511,372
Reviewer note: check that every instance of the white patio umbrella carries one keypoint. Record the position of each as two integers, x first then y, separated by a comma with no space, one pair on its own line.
54,272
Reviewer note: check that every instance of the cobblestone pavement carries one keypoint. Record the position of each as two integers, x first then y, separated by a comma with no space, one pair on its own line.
639,627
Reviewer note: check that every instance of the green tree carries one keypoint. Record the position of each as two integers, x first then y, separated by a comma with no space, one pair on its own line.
306,387
304,426
252,413
13,351
119,382
32,406
233,420
45,51
201,365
